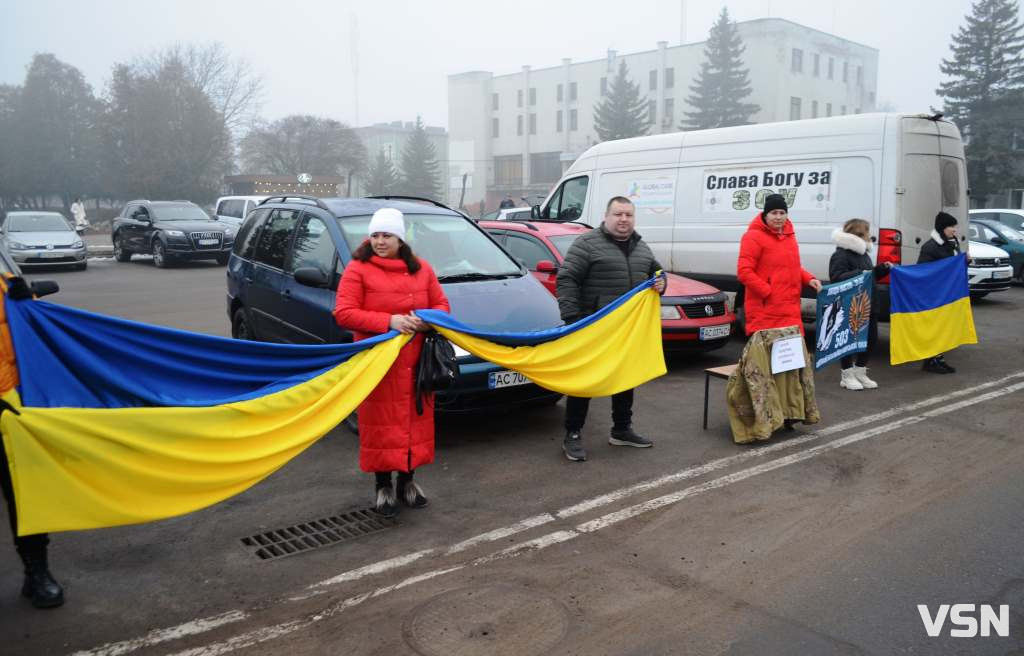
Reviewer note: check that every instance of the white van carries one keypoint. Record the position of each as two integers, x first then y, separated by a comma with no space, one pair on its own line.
696,192
232,210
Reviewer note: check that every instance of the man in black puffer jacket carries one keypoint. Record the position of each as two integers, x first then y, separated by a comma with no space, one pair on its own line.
602,265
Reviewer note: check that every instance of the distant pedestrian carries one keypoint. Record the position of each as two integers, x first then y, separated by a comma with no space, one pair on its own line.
507,202
381,287
78,213
852,258
942,243
601,266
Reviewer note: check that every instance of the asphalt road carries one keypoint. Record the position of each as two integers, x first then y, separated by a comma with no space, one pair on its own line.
822,541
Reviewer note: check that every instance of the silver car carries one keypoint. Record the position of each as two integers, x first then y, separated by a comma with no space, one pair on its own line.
42,239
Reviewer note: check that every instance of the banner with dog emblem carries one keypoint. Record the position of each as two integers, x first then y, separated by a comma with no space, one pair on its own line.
844,311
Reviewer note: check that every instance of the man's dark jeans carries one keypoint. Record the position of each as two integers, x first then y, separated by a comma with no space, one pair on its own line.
622,411
29,545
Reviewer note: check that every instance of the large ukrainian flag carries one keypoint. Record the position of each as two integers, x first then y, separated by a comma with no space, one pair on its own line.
930,309
110,422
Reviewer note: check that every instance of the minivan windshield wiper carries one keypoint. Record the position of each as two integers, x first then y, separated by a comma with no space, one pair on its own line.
463,277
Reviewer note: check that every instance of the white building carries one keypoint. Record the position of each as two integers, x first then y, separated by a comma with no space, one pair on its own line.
515,134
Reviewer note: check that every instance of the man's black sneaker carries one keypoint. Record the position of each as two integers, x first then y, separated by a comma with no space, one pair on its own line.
934,366
945,365
573,446
628,438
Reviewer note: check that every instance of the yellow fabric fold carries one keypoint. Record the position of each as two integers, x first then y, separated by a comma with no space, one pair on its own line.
77,468
621,351
919,335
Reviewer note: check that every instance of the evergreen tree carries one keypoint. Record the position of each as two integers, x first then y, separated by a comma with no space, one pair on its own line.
722,84
623,112
421,173
984,92
381,178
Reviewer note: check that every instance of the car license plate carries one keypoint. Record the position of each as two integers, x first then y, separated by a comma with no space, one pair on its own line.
1001,275
50,255
714,332
497,379
209,242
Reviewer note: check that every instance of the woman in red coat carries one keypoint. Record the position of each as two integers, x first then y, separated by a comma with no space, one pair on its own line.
379,290
769,269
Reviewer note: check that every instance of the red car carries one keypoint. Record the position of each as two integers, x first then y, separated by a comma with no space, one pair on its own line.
693,315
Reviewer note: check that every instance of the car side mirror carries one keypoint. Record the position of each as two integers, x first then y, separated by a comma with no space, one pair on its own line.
999,241
311,277
547,266
44,287
535,212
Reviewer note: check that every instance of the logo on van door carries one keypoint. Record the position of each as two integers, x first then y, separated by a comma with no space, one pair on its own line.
804,185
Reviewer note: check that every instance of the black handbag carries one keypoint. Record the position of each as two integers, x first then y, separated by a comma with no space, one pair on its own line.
436,369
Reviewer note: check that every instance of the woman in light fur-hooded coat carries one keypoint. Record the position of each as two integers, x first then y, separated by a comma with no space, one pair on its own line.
852,258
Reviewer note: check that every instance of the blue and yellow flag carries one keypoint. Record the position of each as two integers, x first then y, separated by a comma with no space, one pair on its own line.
930,309
114,422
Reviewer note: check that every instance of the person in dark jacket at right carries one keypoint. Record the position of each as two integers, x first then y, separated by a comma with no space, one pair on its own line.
852,258
941,244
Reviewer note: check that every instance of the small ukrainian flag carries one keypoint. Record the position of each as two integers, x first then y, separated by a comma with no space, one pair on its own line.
930,311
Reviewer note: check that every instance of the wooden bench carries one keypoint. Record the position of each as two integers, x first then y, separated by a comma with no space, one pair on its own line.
722,372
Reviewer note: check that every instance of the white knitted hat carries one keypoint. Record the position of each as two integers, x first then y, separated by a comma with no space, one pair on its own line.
389,220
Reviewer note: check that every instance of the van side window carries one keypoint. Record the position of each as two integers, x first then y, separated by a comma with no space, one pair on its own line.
950,175
313,246
567,203
272,243
245,241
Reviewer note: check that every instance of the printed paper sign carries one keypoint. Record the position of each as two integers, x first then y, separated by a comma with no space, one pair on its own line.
656,195
742,190
844,310
788,354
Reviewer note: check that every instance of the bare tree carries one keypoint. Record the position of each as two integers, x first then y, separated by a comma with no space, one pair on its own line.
302,143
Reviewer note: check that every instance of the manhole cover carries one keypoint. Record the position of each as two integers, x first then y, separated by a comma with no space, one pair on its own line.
314,534
492,620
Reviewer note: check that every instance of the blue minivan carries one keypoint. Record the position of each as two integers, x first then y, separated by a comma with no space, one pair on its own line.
290,252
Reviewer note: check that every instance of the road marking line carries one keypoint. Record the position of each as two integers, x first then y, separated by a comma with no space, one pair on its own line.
380,567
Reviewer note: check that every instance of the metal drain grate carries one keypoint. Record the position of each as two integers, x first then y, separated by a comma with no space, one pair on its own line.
314,534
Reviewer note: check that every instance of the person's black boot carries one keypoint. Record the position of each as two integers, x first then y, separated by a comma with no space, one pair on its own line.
936,366
40,585
409,492
387,504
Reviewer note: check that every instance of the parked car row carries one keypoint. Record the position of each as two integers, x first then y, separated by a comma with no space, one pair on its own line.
35,238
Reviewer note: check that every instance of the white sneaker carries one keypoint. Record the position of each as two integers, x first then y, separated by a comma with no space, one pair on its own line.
849,380
861,374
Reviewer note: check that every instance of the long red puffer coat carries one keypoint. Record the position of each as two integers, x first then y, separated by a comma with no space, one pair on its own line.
769,268
392,437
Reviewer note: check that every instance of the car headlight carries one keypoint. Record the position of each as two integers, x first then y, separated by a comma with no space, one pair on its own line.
17,245
174,233
78,244
670,312
229,232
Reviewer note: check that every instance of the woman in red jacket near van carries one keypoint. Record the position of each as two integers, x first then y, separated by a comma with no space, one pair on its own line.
379,290
769,269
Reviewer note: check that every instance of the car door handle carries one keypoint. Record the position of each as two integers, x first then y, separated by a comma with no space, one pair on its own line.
287,293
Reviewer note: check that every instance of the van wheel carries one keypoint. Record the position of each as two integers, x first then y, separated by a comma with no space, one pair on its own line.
240,327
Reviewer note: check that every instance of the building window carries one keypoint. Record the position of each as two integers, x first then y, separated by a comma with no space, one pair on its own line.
533,124
519,98
814,109
842,110
828,109
519,125
670,78
558,121
831,68
871,97
857,111
533,95
604,87
573,120
668,117
494,101
860,76
794,109
652,111
572,91
545,168
508,170
494,128
817,64
797,63
558,93
654,79
846,72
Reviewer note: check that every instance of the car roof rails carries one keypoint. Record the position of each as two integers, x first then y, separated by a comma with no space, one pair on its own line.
301,197
530,222
139,200
414,198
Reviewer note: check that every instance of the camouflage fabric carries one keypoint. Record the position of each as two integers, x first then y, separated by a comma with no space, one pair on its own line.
759,402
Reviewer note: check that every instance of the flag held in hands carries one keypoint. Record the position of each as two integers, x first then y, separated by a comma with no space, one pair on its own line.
930,309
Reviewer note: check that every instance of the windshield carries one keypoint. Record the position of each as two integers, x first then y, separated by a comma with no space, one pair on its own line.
179,213
1009,233
37,223
563,242
451,244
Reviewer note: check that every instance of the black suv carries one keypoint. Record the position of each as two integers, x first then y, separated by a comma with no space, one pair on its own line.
170,230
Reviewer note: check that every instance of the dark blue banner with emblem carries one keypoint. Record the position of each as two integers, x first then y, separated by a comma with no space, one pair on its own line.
844,311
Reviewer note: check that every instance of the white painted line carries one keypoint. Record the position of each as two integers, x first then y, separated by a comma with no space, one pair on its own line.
191,628
163,635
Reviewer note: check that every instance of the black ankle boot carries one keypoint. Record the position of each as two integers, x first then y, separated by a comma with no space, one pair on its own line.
39,585
409,493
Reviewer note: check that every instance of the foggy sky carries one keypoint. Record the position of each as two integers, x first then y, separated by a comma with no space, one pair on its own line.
407,48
